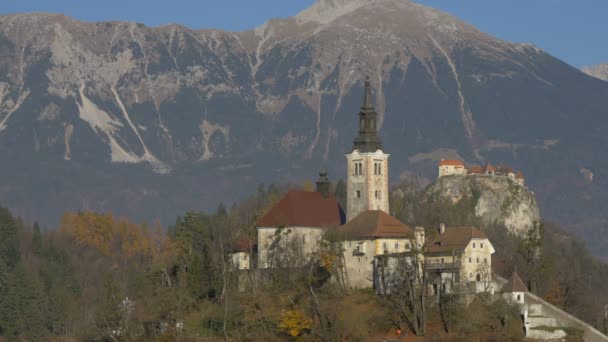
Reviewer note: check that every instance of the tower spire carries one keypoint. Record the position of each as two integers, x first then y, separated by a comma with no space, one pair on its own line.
367,140
367,99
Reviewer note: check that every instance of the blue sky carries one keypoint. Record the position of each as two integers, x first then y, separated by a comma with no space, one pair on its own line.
574,31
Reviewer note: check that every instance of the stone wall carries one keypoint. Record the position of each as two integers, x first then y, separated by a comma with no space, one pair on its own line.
289,246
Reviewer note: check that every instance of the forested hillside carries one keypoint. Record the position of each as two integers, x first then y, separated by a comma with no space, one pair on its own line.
100,277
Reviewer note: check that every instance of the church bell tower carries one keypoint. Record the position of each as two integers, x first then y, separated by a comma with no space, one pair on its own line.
367,165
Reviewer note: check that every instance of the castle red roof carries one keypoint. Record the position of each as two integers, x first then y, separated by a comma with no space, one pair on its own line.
374,224
476,169
304,209
490,168
519,175
451,162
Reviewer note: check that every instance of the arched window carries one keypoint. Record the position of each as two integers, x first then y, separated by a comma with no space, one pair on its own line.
360,168
478,277
375,168
379,168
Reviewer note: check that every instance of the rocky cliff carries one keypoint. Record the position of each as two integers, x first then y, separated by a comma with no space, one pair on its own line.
496,199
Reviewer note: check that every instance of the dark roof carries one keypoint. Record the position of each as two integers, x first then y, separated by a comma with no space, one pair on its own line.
514,285
242,245
374,224
304,209
476,169
454,239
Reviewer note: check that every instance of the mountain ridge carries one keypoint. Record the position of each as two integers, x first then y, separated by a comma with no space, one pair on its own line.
149,122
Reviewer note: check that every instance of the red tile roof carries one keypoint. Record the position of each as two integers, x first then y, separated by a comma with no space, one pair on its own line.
520,175
451,162
490,168
476,169
374,224
454,239
304,209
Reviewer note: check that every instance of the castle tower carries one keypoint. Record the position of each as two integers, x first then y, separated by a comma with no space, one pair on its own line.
367,165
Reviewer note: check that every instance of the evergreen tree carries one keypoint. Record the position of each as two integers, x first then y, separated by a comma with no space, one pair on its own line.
36,239
4,299
9,240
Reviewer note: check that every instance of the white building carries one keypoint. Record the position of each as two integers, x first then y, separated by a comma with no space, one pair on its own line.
459,256
449,167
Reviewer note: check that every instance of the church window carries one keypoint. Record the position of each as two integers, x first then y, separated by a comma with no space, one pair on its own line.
358,193
518,298
375,168
478,260
360,168
379,168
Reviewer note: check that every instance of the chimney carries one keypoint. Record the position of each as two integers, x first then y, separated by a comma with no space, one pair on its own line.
323,183
441,228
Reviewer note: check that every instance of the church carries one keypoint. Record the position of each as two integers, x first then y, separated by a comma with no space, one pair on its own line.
292,232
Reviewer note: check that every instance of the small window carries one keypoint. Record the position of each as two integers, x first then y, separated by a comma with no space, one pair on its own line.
470,260
478,260
397,246
473,244
485,260
385,245
360,168
481,245
358,194
379,168
375,168
518,298
442,261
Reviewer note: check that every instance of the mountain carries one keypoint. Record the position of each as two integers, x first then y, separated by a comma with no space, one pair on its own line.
152,121
599,71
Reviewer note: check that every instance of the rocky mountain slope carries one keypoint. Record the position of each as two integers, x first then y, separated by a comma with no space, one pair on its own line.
599,71
151,121
496,200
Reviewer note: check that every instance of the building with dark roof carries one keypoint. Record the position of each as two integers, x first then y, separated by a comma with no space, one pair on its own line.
367,237
459,255
291,231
